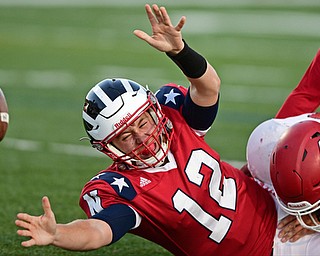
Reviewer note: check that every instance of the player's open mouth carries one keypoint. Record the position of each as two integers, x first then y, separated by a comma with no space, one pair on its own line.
149,151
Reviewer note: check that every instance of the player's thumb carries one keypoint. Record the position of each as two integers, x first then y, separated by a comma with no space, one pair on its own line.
141,34
46,206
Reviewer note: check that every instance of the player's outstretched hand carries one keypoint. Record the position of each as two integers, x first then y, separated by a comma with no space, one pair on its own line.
291,230
165,37
40,229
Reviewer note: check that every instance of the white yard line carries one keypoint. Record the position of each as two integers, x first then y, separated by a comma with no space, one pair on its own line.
58,148
239,91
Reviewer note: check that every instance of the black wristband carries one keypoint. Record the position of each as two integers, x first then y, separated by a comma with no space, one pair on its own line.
191,63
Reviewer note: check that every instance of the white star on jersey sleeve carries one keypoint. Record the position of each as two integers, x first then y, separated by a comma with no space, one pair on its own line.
120,183
171,97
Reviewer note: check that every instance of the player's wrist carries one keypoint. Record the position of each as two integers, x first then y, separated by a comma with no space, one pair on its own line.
192,64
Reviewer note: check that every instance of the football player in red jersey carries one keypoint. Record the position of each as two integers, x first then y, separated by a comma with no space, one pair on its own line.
301,105
283,155
166,184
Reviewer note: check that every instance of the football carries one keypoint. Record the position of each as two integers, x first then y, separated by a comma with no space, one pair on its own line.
4,115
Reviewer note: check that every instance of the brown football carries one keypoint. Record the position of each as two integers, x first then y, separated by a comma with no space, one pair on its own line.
4,116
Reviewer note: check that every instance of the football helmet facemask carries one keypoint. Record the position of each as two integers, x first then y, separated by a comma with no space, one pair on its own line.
295,172
113,105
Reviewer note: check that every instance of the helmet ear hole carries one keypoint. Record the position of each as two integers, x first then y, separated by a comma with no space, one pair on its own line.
97,146
317,134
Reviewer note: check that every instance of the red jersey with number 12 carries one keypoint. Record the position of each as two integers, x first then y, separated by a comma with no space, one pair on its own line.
195,204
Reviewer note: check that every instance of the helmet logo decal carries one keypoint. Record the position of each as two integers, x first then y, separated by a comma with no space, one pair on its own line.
299,205
123,121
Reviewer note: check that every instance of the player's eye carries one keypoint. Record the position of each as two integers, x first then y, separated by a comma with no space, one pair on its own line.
125,136
143,124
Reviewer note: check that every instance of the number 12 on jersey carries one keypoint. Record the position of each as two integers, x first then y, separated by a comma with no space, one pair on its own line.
225,199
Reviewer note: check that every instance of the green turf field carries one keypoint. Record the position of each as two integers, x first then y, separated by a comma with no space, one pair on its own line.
50,56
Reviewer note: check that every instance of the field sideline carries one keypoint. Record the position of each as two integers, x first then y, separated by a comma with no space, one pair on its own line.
52,52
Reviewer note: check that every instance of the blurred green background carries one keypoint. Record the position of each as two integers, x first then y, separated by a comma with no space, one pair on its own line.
53,52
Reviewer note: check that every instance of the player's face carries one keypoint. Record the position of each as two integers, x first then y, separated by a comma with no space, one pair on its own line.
135,135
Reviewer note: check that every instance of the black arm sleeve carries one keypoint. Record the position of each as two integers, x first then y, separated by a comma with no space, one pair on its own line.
120,217
197,117
192,64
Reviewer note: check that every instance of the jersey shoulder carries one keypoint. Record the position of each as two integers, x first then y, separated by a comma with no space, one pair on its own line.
171,95
114,186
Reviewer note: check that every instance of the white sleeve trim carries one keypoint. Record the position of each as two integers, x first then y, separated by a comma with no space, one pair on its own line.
138,218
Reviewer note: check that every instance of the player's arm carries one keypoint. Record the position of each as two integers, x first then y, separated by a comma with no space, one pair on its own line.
77,235
83,235
305,98
204,81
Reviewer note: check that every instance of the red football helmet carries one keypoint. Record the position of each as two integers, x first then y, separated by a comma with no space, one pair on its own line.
295,172
113,105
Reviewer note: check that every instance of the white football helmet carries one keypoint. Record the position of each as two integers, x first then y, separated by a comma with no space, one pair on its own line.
263,140
259,148
110,107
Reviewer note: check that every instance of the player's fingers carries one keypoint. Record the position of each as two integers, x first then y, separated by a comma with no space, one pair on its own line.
293,232
24,232
295,238
46,206
301,233
284,236
24,217
22,224
286,220
150,15
157,13
165,17
287,231
28,243
181,23
290,227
